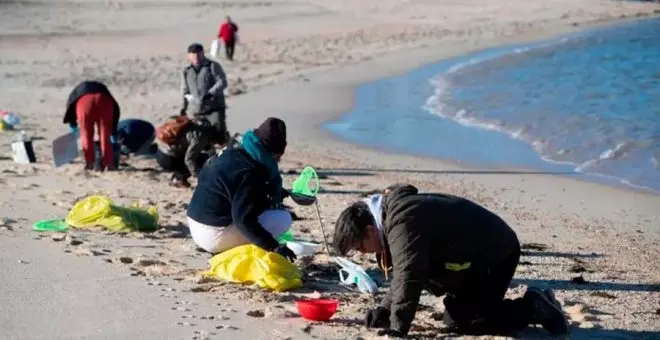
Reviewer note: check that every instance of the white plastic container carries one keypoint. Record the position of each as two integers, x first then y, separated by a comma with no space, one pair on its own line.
215,48
301,248
22,150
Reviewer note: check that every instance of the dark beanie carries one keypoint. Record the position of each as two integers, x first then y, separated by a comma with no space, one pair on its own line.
195,48
272,133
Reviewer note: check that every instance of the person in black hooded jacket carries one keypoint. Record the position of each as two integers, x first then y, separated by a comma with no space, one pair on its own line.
238,198
448,246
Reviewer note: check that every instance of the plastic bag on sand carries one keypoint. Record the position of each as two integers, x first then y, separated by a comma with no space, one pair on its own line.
9,118
100,211
251,264
215,48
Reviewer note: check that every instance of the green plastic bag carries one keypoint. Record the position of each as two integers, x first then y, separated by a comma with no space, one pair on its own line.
51,225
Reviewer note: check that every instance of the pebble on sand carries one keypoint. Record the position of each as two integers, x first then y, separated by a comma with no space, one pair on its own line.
125,260
75,242
58,237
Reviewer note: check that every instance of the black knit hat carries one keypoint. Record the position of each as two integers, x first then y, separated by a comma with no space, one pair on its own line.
195,48
272,133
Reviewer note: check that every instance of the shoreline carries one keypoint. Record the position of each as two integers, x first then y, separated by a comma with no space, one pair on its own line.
547,165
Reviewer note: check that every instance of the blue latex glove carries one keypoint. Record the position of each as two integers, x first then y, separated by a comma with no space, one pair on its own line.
75,130
113,140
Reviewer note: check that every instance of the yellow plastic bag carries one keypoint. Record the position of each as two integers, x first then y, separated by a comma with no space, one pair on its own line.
251,264
100,211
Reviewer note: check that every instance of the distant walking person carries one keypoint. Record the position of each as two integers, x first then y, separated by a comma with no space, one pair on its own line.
91,104
228,33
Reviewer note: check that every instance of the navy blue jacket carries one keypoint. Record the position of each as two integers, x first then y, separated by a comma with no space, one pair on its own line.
134,133
232,190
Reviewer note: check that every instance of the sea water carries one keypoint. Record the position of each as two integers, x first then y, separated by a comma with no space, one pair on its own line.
586,103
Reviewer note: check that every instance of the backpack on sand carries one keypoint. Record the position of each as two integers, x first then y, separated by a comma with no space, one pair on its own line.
170,131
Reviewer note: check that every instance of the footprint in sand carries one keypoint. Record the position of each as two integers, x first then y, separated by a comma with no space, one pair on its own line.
256,313
58,237
83,251
125,260
7,224
201,335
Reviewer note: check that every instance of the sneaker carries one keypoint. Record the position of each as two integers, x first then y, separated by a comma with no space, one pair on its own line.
547,311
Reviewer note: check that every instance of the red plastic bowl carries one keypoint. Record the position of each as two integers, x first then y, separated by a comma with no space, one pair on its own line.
317,309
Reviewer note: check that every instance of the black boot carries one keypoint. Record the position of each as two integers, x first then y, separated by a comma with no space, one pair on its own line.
547,311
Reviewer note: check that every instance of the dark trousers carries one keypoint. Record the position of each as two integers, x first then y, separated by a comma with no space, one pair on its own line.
177,165
479,307
218,119
229,49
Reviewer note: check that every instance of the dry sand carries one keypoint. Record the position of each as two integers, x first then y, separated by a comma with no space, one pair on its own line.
96,285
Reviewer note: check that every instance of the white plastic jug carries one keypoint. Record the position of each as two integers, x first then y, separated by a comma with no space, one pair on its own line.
352,273
215,48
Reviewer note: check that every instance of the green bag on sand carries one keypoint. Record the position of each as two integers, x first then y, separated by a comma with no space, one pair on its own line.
99,210
51,225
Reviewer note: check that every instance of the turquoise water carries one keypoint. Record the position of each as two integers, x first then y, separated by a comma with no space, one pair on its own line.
588,103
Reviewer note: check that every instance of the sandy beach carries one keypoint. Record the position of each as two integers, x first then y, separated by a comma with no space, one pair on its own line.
300,61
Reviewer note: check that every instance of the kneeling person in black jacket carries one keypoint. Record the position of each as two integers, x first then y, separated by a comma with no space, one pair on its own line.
449,246
238,199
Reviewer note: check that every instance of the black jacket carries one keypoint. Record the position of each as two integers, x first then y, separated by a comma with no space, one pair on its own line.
432,241
232,191
87,87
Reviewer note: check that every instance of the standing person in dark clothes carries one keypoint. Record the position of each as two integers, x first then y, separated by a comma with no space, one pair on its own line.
135,136
228,33
91,104
449,246
185,153
203,83
238,200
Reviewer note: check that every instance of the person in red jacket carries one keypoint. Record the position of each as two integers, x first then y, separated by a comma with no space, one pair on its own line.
228,33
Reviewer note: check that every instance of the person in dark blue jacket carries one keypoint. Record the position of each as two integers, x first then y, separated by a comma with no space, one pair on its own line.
135,136
238,199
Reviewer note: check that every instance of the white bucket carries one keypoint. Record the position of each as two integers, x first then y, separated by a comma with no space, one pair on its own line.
301,248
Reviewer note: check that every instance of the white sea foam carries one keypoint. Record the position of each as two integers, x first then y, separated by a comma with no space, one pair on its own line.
436,106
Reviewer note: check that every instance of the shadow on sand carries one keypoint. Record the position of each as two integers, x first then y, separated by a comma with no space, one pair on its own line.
594,286
369,172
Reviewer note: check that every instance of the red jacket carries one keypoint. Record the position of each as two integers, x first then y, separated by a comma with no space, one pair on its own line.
227,31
